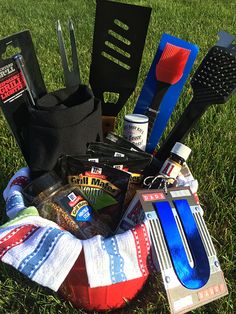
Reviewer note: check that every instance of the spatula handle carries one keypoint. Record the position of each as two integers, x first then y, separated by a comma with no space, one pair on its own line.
185,123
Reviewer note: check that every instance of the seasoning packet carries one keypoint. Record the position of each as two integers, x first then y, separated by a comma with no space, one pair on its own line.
134,167
75,214
105,187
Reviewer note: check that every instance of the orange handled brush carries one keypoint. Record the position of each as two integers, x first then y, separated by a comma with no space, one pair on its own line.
169,71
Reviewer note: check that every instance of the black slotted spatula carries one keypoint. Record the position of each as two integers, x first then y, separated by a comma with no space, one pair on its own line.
214,82
119,37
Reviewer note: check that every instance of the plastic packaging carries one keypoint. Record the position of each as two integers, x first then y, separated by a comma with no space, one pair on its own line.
66,205
105,187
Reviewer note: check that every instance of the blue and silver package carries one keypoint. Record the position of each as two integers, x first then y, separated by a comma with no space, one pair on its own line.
171,97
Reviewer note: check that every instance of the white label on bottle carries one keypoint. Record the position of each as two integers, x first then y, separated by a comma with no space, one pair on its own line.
170,169
136,133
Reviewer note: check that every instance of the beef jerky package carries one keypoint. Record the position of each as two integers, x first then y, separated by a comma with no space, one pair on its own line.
115,162
114,150
106,160
121,163
151,168
114,139
105,187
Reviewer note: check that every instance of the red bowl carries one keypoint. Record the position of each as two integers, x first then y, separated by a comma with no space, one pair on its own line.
76,289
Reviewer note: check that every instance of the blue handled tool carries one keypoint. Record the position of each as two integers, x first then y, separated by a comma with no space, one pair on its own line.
170,98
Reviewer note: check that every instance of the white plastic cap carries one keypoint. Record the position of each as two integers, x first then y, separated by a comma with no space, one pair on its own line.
136,118
181,150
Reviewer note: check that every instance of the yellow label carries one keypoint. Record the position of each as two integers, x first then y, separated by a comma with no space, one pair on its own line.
95,183
77,207
136,178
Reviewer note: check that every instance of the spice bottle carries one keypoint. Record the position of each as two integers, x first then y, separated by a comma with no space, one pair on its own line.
172,166
136,129
64,204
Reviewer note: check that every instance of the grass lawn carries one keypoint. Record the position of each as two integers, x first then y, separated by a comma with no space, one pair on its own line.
213,160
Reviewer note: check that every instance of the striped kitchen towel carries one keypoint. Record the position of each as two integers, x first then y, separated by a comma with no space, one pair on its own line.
38,248
35,246
119,258
45,253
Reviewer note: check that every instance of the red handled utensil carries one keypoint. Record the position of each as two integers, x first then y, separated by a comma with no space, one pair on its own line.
169,71
214,82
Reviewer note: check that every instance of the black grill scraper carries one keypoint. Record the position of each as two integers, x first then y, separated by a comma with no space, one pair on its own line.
214,82
119,36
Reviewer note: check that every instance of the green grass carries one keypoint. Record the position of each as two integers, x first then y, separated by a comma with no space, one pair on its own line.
213,160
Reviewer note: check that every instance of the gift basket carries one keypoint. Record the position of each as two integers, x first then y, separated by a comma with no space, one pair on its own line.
95,213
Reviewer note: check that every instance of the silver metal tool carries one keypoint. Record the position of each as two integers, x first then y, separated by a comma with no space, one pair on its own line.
71,76
18,58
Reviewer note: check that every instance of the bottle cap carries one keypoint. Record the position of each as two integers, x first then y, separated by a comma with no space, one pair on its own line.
48,181
136,118
181,150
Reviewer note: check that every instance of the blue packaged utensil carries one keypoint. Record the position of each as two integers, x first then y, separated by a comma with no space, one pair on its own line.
171,97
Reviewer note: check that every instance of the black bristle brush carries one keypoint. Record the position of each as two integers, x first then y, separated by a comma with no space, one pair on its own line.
214,82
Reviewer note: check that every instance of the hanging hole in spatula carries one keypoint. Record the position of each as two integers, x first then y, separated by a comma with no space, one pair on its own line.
111,97
10,51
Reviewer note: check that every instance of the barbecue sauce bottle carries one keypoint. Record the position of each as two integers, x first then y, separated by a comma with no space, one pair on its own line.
172,166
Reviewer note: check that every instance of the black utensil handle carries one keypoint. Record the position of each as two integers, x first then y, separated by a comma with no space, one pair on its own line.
151,120
185,123
153,109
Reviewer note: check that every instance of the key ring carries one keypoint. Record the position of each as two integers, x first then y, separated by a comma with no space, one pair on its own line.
153,179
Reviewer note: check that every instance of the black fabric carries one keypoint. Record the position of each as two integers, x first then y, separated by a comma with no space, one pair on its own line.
63,122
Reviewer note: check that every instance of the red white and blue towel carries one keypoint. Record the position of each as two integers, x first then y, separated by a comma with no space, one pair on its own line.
119,258
45,253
